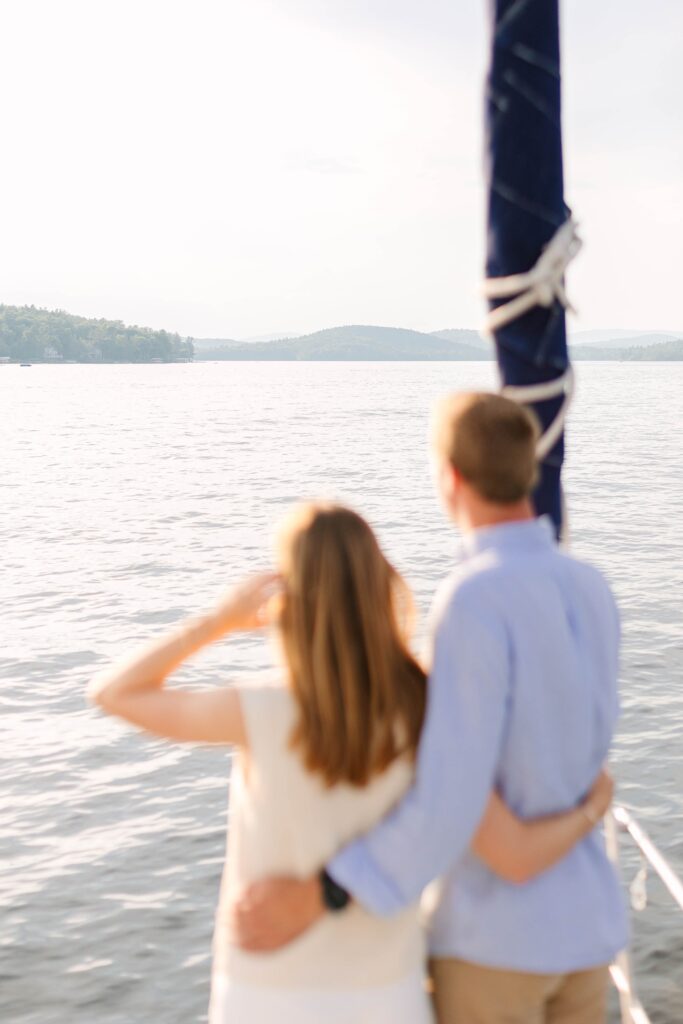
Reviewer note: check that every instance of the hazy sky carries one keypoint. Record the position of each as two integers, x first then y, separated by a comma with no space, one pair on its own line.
230,168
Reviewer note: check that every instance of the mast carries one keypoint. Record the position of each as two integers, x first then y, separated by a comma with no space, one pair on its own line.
530,236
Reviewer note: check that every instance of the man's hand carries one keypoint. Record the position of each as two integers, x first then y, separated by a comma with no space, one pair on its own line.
274,912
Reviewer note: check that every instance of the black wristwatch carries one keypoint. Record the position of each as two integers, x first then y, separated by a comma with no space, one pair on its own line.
334,896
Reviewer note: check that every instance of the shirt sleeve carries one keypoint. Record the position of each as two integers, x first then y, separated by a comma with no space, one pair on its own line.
387,869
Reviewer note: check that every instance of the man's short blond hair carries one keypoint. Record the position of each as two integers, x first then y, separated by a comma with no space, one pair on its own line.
491,441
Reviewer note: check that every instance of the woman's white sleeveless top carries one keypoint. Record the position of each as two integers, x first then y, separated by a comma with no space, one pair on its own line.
285,821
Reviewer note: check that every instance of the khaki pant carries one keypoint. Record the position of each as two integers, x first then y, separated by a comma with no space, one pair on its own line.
465,993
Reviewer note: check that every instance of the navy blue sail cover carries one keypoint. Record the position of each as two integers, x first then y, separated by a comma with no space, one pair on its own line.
525,200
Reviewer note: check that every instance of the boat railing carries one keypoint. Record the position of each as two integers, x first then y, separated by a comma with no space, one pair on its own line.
619,821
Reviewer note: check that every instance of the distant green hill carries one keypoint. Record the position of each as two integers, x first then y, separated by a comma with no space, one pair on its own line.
211,344
666,351
40,335
354,343
466,336
620,338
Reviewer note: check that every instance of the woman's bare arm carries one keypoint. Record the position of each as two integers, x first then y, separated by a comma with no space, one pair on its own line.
134,687
518,850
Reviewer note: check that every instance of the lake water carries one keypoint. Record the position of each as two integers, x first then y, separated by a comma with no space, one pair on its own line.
131,495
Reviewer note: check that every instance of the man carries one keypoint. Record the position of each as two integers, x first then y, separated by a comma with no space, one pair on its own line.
523,698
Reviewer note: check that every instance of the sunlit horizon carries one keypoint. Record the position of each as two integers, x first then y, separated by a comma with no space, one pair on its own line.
262,169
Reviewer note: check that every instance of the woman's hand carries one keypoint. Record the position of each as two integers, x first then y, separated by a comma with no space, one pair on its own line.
599,798
519,850
245,606
134,688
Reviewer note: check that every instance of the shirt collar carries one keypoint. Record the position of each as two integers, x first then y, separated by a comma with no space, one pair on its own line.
525,534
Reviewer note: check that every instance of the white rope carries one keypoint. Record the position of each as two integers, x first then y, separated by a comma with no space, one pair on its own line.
540,286
530,393
648,849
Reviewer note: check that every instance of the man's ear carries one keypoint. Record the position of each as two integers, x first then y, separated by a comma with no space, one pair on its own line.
451,481
449,489
458,478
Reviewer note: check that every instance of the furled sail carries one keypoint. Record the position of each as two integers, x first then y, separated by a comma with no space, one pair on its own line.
531,236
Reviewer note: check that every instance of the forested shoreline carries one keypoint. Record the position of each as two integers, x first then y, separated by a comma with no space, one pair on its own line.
31,334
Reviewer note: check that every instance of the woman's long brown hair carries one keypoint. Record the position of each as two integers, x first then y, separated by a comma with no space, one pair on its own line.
344,623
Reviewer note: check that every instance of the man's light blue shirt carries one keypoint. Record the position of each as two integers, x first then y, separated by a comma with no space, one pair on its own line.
522,698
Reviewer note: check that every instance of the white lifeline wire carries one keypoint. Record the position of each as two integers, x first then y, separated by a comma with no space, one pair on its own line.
631,1009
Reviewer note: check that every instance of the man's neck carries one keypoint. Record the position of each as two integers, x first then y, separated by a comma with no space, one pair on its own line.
484,514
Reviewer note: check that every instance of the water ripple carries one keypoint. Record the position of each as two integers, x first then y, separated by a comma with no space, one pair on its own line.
130,499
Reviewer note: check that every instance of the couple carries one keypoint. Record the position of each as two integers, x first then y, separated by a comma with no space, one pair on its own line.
358,783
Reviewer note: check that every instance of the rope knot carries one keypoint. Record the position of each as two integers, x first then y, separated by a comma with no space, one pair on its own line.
541,286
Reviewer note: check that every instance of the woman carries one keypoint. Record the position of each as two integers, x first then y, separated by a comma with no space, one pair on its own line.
324,754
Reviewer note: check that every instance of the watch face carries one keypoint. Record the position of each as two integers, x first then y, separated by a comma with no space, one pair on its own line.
334,897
